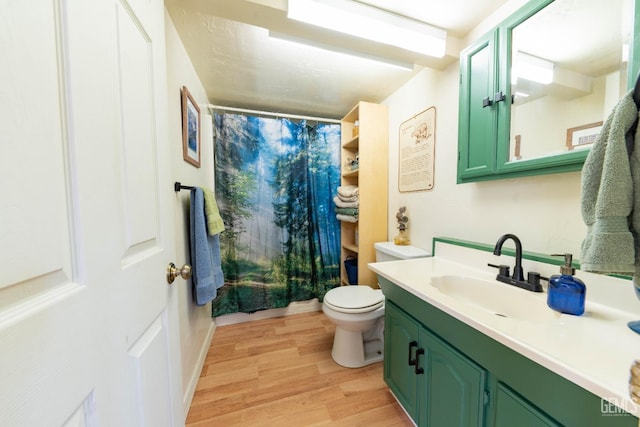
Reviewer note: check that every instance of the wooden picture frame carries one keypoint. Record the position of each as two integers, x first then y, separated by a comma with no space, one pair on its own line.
191,147
583,136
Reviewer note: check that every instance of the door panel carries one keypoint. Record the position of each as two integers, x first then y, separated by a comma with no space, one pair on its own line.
83,415
138,141
143,193
34,214
39,293
150,364
85,326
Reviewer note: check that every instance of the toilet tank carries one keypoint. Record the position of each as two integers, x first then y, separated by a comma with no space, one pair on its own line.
389,251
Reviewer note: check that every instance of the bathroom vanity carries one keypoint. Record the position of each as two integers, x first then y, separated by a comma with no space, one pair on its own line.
464,349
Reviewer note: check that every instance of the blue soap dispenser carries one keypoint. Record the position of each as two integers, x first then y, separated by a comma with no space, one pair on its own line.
566,293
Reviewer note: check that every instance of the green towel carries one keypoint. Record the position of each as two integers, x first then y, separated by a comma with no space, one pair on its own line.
215,225
608,196
635,213
347,211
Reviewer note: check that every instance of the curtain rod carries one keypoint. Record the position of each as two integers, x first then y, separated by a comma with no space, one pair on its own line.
269,113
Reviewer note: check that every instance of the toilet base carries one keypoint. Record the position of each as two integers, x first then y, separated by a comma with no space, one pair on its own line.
351,351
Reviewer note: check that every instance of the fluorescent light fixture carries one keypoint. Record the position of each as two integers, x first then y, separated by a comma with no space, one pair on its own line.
367,22
309,43
531,68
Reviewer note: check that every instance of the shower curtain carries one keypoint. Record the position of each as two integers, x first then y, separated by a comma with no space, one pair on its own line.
275,179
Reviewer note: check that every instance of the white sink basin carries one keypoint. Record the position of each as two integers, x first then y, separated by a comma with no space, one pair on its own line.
496,298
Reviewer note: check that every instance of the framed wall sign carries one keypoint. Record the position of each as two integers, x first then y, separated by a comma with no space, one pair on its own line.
190,129
417,142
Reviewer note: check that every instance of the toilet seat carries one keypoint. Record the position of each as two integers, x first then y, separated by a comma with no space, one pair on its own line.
354,299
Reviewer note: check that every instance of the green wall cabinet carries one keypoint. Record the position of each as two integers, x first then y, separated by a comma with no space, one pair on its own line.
436,384
498,121
446,373
478,121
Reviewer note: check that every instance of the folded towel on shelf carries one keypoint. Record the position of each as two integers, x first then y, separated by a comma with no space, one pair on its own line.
215,225
346,218
608,196
348,211
348,199
342,204
206,262
347,191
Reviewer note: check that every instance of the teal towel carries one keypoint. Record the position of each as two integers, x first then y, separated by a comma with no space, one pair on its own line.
608,196
347,211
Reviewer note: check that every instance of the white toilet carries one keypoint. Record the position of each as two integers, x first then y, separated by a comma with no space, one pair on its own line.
358,313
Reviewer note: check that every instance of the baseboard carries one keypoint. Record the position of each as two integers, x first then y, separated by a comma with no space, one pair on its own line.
295,307
190,390
402,407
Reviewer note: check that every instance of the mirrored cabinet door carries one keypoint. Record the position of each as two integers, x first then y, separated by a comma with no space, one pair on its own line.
568,70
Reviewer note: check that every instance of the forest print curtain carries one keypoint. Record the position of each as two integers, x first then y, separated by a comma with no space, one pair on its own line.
275,180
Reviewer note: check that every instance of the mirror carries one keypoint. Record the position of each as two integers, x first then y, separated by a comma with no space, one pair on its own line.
569,69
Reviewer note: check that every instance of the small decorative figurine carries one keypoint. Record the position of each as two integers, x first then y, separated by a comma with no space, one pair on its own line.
353,163
402,239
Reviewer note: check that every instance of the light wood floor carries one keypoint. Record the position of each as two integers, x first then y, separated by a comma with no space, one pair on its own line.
279,372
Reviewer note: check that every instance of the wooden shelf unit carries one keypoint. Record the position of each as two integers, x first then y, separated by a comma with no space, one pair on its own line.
372,145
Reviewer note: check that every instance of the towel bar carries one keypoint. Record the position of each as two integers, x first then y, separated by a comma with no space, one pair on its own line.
177,186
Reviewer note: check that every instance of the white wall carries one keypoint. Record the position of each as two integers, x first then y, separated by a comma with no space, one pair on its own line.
543,211
196,324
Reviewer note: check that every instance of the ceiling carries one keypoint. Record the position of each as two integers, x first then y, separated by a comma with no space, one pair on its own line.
240,66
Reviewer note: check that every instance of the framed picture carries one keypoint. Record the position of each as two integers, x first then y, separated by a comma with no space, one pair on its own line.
190,129
583,136
417,139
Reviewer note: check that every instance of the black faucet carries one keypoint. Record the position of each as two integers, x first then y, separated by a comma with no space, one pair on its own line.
517,279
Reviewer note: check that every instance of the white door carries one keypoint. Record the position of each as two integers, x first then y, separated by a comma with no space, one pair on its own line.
86,325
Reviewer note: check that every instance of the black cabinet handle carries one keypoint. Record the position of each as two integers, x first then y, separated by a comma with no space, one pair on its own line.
418,369
486,102
500,96
411,345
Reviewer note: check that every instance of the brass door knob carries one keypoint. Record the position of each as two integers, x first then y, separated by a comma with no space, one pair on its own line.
173,272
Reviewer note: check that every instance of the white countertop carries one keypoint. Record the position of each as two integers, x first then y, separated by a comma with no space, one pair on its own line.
595,350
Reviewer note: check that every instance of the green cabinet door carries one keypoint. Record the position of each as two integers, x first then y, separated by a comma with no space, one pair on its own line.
512,409
436,384
454,386
477,126
400,346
